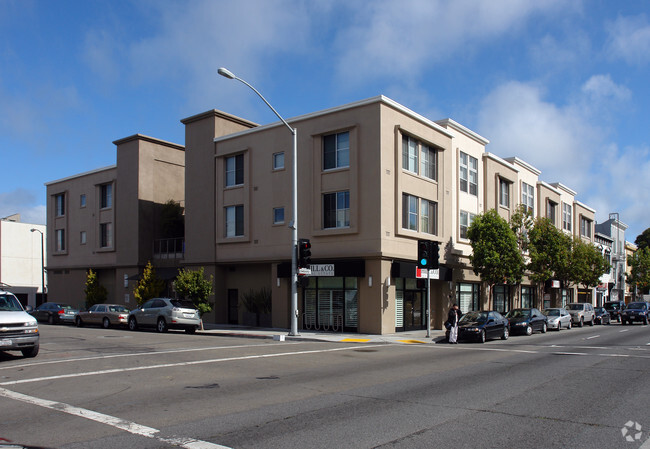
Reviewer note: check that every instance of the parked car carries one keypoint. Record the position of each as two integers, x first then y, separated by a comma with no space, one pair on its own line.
581,313
614,308
54,313
601,315
105,315
526,321
18,329
482,325
558,318
164,314
635,311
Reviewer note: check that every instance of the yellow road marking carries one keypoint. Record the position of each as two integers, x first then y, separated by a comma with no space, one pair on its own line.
356,340
412,342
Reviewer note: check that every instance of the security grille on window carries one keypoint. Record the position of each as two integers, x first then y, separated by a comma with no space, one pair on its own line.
468,175
235,170
234,221
336,210
336,150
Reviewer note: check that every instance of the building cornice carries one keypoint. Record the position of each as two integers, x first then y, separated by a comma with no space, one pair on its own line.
219,114
135,137
514,160
562,187
584,206
81,175
463,130
501,161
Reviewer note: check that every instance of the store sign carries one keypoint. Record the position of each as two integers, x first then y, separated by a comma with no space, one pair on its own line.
322,269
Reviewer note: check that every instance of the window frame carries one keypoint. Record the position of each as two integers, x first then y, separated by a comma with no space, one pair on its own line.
338,156
234,221
276,157
276,221
469,218
585,227
528,196
106,196
567,216
59,205
59,240
234,176
504,193
468,173
333,213
413,216
106,235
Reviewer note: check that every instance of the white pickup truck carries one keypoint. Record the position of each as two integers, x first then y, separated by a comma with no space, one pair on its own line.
18,329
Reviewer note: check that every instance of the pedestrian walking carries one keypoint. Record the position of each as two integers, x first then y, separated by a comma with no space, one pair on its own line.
452,324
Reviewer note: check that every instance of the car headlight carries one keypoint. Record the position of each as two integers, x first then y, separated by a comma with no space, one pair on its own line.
521,324
30,323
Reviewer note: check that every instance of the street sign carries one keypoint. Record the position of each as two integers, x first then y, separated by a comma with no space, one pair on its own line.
304,271
422,274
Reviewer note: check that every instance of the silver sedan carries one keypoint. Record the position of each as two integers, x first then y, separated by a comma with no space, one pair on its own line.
558,318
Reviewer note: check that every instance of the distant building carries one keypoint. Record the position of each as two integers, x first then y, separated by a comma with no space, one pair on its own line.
615,229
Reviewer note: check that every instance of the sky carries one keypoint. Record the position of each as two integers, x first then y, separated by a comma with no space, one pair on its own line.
561,84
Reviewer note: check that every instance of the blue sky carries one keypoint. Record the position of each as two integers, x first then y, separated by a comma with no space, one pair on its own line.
563,85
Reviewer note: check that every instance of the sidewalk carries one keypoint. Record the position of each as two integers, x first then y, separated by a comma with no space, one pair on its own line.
410,337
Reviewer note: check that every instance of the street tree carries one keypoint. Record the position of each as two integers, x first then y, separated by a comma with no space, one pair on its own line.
587,264
521,224
495,254
149,286
192,285
643,240
95,292
639,264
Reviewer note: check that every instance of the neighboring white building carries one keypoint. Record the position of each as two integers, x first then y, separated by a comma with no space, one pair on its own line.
21,259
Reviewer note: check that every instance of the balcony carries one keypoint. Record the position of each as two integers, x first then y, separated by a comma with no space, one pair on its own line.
169,248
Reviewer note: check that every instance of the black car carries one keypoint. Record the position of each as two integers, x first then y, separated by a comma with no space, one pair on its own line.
614,308
635,311
482,325
527,321
54,313
601,315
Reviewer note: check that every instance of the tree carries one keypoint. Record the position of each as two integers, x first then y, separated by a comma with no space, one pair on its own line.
149,286
587,264
639,264
192,285
172,220
643,240
521,224
495,253
95,292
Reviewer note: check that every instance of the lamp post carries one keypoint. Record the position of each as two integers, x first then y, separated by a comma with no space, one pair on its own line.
42,264
294,194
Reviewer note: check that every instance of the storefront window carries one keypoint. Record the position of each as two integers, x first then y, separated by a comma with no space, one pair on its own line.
409,305
330,303
501,298
527,297
468,296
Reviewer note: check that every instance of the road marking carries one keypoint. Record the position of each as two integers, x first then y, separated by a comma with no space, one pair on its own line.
356,340
128,426
593,336
624,330
173,365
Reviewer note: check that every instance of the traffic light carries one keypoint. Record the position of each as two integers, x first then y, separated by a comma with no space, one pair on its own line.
424,253
304,253
434,261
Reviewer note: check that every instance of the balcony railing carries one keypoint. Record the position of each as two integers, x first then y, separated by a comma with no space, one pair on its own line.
169,248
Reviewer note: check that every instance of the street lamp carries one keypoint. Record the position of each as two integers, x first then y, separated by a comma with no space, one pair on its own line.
42,264
294,194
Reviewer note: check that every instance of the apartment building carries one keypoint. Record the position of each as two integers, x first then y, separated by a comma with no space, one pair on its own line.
615,229
374,177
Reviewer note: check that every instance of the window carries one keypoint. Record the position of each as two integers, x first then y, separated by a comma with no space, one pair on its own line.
82,238
234,221
278,161
501,297
331,303
106,193
466,219
419,214
504,193
278,215
527,297
235,170
550,210
336,210
60,239
468,296
585,227
59,204
468,174
566,217
82,200
528,197
336,150
106,235
414,151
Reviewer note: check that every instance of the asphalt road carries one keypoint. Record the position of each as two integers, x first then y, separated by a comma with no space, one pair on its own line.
96,388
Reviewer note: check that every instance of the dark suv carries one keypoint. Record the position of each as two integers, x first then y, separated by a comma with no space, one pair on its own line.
615,308
636,311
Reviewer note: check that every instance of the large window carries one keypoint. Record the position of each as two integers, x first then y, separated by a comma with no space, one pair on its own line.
336,150
235,170
106,196
550,210
60,239
566,217
468,174
466,219
234,221
414,151
501,296
504,193
468,296
527,297
585,227
106,235
419,214
336,210
59,204
528,198
330,303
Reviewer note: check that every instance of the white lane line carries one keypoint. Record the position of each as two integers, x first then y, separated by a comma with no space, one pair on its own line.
128,426
173,365
624,330
593,336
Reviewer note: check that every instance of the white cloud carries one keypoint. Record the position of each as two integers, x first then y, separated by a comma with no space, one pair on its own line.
601,87
629,40
23,202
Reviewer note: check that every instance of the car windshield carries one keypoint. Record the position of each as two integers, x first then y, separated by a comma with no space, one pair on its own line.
599,310
552,312
575,307
518,313
182,304
470,317
613,306
635,305
9,303
118,309
65,306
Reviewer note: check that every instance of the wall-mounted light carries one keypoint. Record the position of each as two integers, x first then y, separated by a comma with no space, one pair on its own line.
387,281
277,281
126,280
369,281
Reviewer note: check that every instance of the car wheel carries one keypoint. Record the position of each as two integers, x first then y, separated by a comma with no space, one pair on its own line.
31,352
645,321
559,326
481,337
506,334
582,322
618,318
162,325
570,325
544,328
529,330
78,322
592,322
190,330
106,323
133,324
50,319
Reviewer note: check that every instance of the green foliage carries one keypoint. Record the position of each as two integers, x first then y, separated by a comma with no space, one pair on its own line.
639,263
643,240
549,252
257,301
95,292
149,286
192,285
495,252
587,264
172,220
521,224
